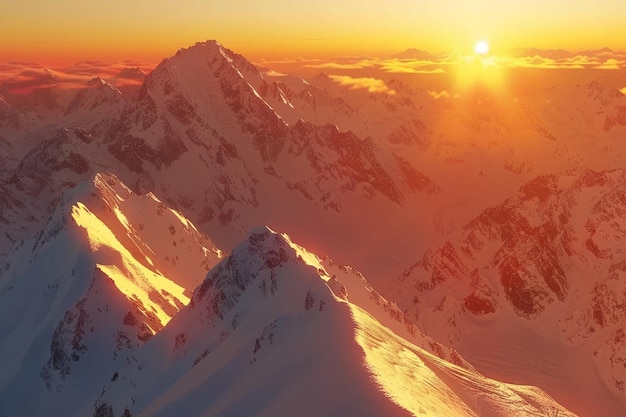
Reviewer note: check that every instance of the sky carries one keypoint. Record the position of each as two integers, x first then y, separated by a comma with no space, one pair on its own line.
72,30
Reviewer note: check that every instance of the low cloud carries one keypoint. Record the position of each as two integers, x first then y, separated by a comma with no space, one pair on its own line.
372,85
26,79
532,62
272,73
336,65
87,68
419,62
539,62
392,65
396,66
609,64
583,60
438,64
296,60
22,77
579,61
439,94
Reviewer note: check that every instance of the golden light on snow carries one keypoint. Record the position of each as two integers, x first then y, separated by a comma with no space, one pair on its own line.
481,48
401,374
307,257
131,277
425,384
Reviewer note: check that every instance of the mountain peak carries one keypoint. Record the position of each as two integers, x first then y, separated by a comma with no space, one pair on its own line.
99,94
209,43
201,63
210,46
264,252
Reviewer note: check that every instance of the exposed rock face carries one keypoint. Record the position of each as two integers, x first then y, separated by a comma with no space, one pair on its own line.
542,250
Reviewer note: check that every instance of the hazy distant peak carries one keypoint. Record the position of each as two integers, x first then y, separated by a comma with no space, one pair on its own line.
101,82
413,53
598,52
133,73
98,94
322,78
545,53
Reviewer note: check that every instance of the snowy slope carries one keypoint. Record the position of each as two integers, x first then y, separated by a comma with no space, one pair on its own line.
264,334
95,107
30,191
84,294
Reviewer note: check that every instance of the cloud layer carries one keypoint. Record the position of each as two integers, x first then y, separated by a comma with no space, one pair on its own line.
424,63
17,77
22,77
372,85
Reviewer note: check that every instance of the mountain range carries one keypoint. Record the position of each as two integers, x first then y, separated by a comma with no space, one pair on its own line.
148,264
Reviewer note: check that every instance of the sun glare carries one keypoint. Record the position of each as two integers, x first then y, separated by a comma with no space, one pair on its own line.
481,48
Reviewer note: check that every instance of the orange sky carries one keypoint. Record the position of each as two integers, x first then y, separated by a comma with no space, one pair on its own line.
71,30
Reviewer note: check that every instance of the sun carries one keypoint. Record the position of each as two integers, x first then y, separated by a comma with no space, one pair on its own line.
481,48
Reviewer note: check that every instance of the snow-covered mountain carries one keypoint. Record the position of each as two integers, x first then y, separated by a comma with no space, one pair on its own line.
202,107
84,299
270,331
107,271
93,266
198,115
95,107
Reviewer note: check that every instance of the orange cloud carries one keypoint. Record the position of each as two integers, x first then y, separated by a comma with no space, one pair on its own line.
439,94
423,63
372,85
589,59
272,73
296,60
392,65
609,64
25,79
584,60
540,62
403,66
22,77
436,64
338,65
